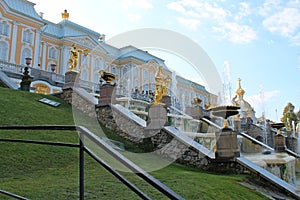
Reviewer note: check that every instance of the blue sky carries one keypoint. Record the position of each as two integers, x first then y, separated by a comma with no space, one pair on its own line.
259,40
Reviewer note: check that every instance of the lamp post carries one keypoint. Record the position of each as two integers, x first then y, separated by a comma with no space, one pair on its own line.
28,61
53,75
53,67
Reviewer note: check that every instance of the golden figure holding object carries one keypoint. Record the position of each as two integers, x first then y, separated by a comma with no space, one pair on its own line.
73,60
161,85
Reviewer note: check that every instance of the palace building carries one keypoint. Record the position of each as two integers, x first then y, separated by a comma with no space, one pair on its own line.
27,39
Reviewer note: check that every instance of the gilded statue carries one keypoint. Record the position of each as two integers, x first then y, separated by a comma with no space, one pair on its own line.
161,85
165,86
108,77
196,101
73,60
289,116
65,15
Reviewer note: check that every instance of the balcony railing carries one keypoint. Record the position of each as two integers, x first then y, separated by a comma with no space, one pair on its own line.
36,73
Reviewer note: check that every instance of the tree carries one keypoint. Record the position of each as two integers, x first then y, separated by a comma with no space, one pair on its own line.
289,116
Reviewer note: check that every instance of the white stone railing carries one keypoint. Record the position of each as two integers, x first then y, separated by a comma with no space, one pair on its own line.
37,73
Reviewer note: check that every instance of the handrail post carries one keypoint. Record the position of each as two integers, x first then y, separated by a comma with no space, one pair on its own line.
81,167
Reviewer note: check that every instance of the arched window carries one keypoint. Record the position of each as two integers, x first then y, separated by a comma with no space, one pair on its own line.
3,50
27,36
26,53
52,53
4,28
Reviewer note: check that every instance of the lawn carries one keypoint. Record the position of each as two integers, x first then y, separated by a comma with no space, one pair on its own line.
48,172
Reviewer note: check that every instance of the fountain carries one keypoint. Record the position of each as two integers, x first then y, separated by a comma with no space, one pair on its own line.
225,112
279,139
226,145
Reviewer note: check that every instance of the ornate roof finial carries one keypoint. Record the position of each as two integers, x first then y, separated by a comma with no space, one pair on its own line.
240,92
65,15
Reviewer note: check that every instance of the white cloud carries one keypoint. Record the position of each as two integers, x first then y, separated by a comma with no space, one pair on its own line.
144,4
195,13
269,6
257,101
189,22
285,22
240,33
134,17
126,4
193,8
216,12
139,4
244,11
236,33
177,7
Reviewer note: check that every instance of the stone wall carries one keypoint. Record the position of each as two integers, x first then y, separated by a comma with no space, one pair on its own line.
79,100
119,123
164,144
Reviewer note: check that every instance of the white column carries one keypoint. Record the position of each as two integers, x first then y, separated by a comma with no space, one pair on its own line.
13,44
36,57
44,56
64,60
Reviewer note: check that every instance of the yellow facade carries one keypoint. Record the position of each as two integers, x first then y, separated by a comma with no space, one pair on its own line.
50,43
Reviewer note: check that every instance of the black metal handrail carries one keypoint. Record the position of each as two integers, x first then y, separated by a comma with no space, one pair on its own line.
84,132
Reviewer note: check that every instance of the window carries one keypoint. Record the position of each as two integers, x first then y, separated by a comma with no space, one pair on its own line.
85,60
52,53
145,75
4,27
27,36
26,53
3,51
97,63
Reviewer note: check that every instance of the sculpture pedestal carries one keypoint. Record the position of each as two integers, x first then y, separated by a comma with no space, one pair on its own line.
194,112
106,94
166,99
279,143
70,79
157,117
227,145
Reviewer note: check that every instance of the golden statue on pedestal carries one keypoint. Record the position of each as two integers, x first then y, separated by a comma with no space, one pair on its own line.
161,85
108,77
73,60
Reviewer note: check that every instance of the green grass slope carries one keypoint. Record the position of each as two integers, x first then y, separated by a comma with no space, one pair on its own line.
48,172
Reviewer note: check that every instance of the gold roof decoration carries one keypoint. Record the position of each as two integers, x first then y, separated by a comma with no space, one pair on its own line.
65,15
240,92
248,113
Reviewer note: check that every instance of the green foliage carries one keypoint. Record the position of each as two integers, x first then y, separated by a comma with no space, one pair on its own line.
50,172
288,115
